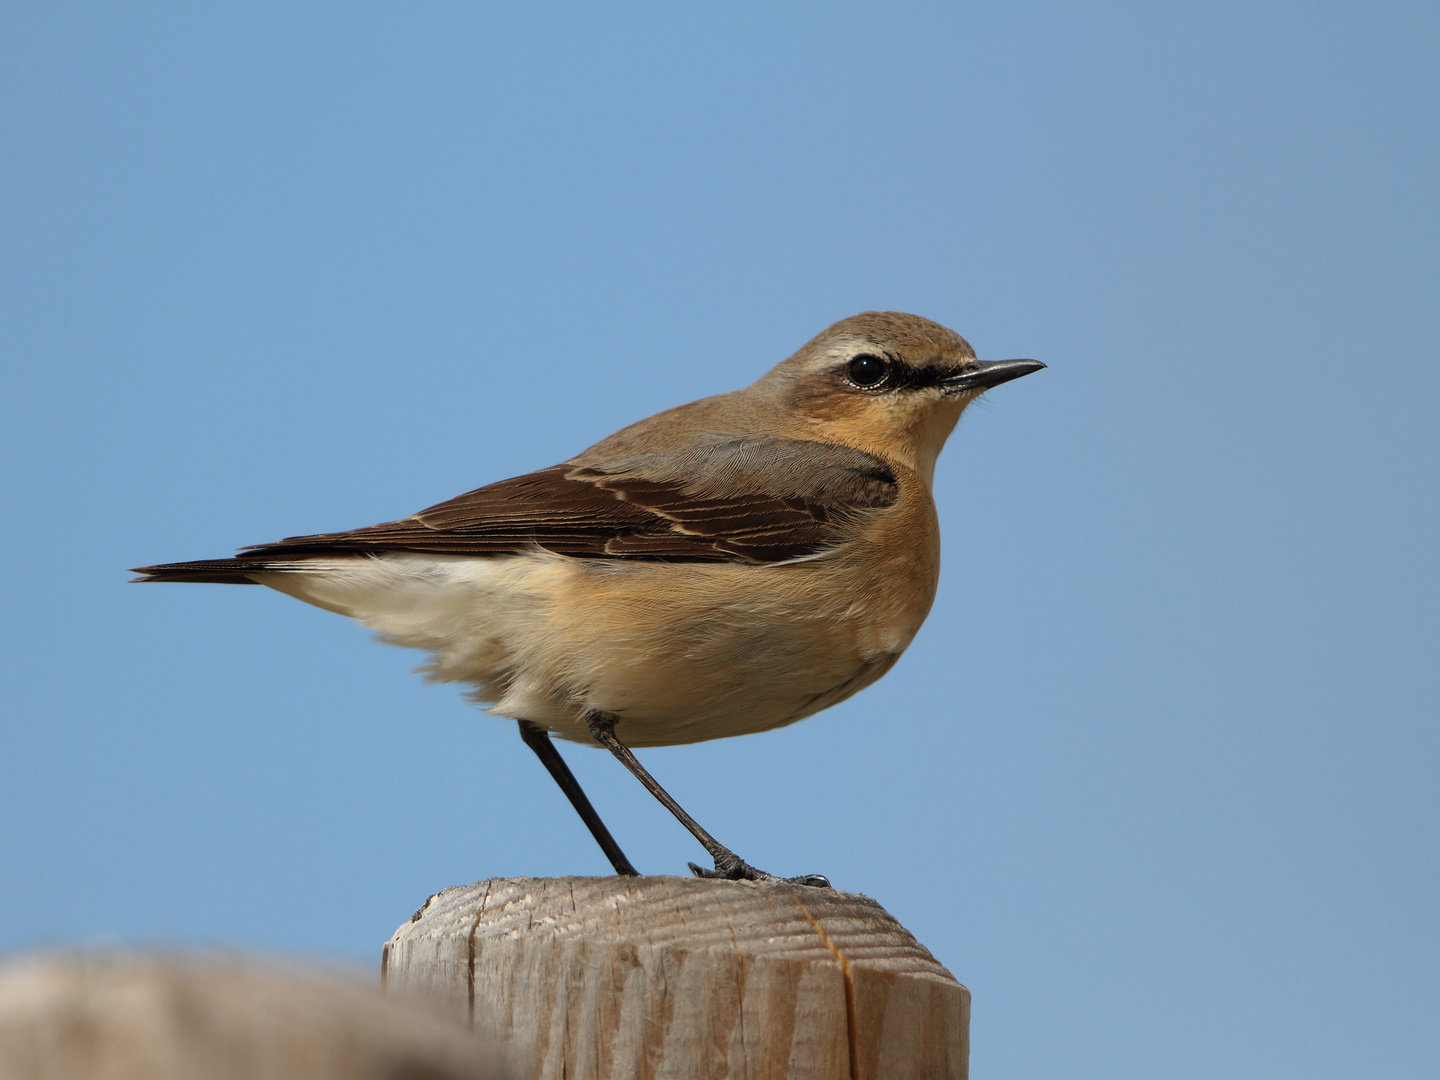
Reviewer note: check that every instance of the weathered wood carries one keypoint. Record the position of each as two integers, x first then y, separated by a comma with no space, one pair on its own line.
171,1017
661,977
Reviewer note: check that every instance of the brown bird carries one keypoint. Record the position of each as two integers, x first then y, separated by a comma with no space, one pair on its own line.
727,566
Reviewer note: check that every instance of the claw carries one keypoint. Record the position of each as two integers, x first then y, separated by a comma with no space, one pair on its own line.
815,881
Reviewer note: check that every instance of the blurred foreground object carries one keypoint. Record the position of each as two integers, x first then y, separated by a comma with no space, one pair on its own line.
670,977
172,1017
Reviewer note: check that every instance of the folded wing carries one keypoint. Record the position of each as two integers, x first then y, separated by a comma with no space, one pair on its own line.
730,499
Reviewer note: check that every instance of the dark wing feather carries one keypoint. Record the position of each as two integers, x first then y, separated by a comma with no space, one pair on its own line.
737,499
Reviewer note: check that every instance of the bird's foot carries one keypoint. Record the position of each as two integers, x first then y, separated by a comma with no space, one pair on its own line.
730,867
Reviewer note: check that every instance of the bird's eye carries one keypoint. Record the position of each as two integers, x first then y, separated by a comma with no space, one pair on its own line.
867,371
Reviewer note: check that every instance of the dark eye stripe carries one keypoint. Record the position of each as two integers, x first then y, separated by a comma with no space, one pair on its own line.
909,378
898,375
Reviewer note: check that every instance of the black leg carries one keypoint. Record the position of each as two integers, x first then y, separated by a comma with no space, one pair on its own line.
727,863
538,739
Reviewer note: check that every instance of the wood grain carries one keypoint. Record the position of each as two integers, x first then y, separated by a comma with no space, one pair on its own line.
661,977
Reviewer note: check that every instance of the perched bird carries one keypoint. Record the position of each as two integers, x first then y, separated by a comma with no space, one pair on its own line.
727,566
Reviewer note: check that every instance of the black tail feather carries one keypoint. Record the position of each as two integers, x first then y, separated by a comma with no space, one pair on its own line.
216,571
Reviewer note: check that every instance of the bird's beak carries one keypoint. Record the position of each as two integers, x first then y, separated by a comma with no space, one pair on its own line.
983,374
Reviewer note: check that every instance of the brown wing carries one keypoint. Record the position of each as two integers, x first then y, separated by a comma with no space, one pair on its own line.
747,500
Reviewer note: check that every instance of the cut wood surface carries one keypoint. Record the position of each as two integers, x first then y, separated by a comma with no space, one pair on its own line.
662,977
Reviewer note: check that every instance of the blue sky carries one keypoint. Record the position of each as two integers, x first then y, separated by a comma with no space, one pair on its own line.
1157,780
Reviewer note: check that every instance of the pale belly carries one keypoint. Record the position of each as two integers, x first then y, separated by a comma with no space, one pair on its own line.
677,652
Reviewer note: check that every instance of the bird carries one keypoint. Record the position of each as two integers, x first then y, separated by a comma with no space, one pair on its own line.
724,567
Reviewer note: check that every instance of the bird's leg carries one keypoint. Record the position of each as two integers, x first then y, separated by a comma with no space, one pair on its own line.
728,865
538,739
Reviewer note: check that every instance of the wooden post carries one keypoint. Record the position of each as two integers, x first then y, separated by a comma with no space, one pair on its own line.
662,977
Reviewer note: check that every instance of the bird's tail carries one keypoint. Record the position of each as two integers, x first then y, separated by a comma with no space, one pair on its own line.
221,571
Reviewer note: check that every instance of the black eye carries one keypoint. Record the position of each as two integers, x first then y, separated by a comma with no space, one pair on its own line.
867,371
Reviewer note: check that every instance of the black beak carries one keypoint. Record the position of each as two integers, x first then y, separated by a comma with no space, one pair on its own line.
983,374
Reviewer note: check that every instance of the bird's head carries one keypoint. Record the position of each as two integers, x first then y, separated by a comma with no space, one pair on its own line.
885,382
